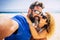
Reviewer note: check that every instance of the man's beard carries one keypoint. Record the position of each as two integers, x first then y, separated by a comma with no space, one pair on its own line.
33,19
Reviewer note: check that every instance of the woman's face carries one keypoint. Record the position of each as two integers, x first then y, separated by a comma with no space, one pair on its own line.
42,22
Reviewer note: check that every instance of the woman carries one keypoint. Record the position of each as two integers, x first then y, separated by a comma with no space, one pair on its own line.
45,29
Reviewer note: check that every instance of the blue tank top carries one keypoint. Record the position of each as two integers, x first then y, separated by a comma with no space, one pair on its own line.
23,32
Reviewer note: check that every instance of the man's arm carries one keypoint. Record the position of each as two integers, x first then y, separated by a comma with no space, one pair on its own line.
7,27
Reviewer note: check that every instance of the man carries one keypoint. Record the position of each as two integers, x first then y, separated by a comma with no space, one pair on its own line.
32,27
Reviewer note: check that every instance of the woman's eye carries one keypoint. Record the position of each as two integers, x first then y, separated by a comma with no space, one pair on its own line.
44,17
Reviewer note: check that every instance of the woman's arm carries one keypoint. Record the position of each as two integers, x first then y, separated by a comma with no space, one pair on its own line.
34,33
37,35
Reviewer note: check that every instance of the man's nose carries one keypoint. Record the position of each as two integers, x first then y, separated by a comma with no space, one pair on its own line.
37,15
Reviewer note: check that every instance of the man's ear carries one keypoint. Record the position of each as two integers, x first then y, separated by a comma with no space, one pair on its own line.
29,12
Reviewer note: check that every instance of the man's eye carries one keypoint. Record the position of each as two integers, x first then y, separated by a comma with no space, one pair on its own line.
37,12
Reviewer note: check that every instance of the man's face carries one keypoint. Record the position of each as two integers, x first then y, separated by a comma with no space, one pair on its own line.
35,13
35,16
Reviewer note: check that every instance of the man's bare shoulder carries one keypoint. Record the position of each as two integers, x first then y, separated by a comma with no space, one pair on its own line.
7,26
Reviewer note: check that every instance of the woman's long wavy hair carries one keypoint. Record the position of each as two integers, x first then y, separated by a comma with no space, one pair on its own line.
51,26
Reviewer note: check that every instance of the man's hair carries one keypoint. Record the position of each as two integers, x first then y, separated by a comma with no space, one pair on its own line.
36,4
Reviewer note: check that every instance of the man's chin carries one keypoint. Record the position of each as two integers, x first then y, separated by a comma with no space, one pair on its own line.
37,18
33,18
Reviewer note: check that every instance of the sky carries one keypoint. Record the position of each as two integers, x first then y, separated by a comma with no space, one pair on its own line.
23,5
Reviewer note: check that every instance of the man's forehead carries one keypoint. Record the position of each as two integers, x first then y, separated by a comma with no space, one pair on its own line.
37,7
